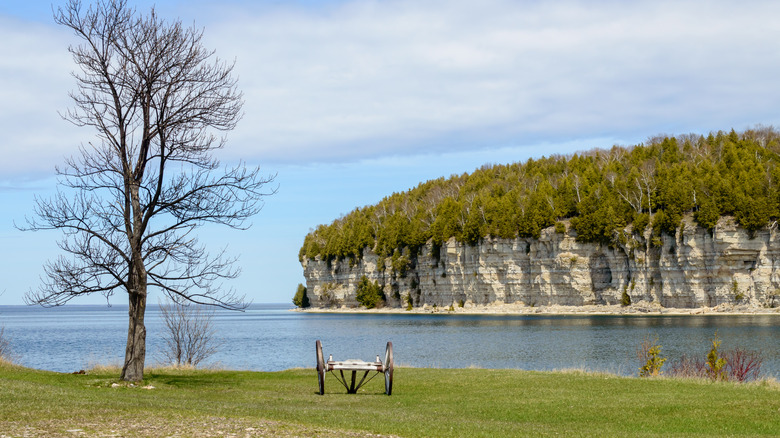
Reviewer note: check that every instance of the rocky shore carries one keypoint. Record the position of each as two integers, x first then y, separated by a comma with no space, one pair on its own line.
516,309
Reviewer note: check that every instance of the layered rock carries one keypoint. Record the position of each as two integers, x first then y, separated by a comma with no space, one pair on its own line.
694,268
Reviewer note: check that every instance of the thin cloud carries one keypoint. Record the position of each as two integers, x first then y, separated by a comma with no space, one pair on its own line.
365,79
34,70
362,79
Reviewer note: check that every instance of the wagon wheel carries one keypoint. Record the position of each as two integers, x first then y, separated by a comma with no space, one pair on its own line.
320,368
389,368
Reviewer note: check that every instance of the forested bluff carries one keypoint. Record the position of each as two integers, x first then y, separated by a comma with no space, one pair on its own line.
676,222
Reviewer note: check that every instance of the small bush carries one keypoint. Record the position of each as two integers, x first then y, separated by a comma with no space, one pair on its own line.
649,355
461,303
369,294
560,228
409,301
688,367
743,365
301,299
737,365
189,333
625,299
738,294
715,363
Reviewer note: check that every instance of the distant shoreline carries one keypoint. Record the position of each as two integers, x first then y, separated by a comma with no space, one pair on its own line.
641,309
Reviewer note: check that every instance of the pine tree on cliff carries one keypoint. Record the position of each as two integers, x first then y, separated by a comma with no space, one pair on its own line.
600,192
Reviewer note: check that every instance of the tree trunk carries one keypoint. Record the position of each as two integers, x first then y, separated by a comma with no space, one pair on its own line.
135,352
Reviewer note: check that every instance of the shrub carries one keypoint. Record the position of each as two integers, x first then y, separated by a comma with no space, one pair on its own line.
301,299
689,367
190,335
738,365
649,355
738,295
369,294
560,228
625,299
743,365
715,363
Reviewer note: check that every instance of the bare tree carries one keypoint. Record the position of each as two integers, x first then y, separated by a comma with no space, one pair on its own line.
130,202
647,179
190,335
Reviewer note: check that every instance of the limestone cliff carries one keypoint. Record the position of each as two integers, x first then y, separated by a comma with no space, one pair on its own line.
694,268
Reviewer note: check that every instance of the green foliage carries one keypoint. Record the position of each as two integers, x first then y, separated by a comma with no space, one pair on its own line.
301,299
641,221
400,263
738,294
649,354
600,192
625,299
715,363
707,215
369,294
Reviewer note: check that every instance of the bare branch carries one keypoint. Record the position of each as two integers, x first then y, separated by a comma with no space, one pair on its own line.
159,104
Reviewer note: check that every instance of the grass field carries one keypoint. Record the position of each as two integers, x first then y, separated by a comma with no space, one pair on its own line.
425,403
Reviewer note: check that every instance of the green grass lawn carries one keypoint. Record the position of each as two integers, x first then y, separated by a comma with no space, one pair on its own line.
425,402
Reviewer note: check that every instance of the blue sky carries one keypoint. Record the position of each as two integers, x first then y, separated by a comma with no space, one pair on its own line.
349,101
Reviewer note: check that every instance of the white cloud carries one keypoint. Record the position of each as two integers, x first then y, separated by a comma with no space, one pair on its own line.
361,79
34,72
371,78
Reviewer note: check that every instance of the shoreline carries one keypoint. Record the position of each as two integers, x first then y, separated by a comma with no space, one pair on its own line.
639,309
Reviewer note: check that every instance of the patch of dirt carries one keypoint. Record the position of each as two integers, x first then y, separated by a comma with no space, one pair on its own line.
158,427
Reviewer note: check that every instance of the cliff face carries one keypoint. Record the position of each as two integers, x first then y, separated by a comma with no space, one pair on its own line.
695,268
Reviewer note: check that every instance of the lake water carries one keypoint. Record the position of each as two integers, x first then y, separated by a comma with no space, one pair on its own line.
271,338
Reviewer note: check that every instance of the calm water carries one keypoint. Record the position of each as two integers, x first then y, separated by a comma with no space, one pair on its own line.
271,338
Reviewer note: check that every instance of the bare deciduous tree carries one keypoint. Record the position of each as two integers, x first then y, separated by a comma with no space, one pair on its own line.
190,335
131,200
